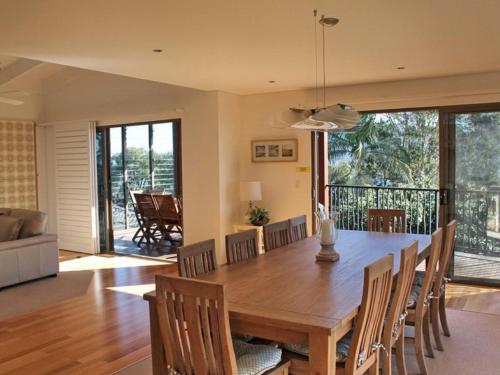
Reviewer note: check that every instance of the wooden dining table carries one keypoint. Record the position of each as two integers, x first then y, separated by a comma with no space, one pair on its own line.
286,295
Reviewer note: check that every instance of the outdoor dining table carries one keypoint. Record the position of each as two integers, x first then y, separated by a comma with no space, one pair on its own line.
286,295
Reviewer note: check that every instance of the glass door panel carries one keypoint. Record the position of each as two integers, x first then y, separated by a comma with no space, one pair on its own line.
476,195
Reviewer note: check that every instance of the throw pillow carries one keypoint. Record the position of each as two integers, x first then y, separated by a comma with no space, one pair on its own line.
10,227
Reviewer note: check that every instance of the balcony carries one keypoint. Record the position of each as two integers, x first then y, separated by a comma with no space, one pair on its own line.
477,247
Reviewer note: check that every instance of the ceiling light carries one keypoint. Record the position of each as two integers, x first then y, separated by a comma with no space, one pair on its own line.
271,81
400,68
158,50
336,117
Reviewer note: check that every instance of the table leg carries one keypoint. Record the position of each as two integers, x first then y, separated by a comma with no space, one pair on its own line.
157,352
322,350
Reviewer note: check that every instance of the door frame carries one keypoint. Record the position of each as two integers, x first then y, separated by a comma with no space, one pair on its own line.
447,173
177,154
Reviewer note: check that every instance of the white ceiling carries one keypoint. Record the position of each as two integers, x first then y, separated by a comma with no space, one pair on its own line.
239,45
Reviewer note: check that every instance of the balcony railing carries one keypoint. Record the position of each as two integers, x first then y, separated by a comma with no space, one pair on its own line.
352,204
477,212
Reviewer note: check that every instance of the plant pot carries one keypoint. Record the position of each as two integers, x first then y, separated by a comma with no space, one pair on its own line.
259,223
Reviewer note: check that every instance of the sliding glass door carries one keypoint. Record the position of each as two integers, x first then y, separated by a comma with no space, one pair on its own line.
473,145
135,157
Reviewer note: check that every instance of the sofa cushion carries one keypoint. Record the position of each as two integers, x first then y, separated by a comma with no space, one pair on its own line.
4,211
10,227
35,222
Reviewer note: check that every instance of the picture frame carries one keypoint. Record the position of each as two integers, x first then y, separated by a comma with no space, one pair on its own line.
274,150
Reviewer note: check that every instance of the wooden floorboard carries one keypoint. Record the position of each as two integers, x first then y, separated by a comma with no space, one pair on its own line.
98,333
107,329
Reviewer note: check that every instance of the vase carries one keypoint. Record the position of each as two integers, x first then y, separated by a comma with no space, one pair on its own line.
328,234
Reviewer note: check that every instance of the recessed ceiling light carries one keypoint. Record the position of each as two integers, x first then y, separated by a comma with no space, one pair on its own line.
157,50
400,68
271,81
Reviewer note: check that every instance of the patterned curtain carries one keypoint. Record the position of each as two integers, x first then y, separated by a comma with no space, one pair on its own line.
17,165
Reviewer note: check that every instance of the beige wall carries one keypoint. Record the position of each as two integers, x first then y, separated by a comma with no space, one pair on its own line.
286,192
75,94
229,108
217,129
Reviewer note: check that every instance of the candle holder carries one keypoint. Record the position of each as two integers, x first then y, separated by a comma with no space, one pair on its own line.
328,235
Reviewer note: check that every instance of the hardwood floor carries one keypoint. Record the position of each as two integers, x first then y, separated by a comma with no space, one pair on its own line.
108,328
99,333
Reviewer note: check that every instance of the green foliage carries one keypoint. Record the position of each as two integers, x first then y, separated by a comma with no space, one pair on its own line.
389,149
258,216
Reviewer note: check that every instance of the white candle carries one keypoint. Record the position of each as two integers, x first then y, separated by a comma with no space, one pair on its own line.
327,232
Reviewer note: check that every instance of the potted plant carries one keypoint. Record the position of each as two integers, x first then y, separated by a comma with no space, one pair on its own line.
258,216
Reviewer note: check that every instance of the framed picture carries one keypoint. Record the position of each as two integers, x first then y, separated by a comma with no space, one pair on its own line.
274,150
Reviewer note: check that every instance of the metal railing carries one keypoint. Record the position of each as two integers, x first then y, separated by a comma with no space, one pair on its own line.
352,203
478,217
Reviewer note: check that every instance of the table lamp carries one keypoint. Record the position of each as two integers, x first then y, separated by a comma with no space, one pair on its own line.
250,191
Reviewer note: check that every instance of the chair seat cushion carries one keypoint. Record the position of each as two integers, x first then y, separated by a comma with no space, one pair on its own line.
419,278
342,348
413,297
255,359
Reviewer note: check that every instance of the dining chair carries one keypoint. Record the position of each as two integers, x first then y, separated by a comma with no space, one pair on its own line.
140,233
438,299
196,259
168,212
386,220
298,228
359,350
419,302
194,327
242,246
149,214
276,235
393,333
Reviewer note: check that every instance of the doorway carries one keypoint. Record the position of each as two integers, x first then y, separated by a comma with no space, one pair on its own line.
136,158
472,181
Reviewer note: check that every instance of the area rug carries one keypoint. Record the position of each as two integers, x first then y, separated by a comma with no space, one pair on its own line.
23,298
471,350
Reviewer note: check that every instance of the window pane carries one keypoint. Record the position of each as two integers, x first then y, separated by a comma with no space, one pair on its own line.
163,157
117,181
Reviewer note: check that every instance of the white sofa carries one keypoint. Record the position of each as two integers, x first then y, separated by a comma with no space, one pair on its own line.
31,257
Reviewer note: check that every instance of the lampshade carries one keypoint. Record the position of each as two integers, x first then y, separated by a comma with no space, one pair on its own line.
250,191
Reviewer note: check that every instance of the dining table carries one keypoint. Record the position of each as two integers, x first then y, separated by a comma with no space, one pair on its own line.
286,295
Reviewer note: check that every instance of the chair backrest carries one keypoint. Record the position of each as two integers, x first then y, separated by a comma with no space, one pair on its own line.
242,245
276,235
430,271
397,311
363,352
298,228
167,208
445,257
196,259
194,327
146,206
386,220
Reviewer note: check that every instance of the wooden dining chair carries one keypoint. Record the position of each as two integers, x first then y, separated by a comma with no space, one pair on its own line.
438,300
298,228
358,351
168,213
242,246
276,235
140,233
196,259
194,326
386,220
393,333
419,302
149,214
